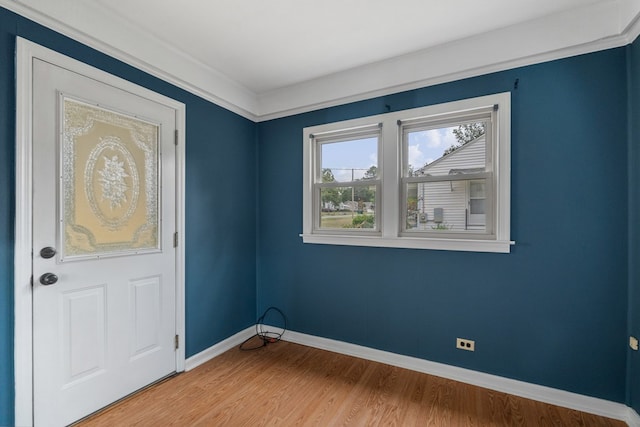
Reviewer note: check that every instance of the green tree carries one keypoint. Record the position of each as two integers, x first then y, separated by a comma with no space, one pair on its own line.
371,173
330,196
466,133
470,131
412,203
364,194
327,175
361,221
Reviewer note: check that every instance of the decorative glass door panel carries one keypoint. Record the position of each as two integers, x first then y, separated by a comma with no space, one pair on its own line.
109,182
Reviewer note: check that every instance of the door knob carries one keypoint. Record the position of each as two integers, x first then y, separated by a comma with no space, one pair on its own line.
48,279
47,252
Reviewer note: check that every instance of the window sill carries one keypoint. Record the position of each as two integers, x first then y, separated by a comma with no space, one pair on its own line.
467,245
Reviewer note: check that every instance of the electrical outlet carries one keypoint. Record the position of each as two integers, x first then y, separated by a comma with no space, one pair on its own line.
465,344
633,343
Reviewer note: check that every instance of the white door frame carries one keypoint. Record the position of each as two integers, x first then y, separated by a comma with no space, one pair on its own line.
26,51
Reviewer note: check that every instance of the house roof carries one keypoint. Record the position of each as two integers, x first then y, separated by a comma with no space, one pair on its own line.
424,170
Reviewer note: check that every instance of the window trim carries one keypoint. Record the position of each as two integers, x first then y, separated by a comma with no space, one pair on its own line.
390,198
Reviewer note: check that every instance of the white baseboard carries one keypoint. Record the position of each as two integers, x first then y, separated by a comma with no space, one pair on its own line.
219,348
633,419
540,393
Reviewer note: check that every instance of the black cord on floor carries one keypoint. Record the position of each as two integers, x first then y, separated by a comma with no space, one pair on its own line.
265,336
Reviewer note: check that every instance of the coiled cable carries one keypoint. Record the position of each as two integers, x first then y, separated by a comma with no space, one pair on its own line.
263,335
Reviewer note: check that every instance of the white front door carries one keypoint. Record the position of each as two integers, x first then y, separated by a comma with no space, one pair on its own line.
104,262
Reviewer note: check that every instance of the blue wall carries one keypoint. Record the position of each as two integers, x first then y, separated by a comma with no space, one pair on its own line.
220,203
633,380
553,312
7,180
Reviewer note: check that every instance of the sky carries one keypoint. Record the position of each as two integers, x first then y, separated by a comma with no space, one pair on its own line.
356,156
428,145
345,158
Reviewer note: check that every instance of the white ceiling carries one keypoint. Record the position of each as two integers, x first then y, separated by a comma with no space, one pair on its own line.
264,58
265,45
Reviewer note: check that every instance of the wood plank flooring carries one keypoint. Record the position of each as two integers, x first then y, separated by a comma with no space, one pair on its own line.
286,384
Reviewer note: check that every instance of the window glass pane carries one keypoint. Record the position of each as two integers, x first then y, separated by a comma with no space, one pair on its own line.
476,206
477,189
450,150
348,207
347,161
443,206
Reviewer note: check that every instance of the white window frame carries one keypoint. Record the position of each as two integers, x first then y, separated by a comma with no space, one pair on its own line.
344,135
389,200
488,114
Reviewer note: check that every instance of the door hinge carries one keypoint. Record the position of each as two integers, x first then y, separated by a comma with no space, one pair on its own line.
177,342
175,140
175,239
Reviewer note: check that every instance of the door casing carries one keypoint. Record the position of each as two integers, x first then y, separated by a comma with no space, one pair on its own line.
26,51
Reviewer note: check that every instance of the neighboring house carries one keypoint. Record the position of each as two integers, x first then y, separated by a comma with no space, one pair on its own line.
348,206
453,205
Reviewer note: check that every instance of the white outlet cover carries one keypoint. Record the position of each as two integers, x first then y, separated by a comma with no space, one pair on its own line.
465,344
633,343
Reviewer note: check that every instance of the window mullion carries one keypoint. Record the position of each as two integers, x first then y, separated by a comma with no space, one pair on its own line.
390,175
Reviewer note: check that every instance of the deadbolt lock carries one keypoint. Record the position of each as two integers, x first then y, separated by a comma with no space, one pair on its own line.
47,252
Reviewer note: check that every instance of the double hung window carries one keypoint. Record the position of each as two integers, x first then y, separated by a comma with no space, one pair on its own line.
436,177
448,175
346,184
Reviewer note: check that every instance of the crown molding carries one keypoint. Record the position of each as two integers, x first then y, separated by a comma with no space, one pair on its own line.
148,54
546,39
632,30
611,24
271,111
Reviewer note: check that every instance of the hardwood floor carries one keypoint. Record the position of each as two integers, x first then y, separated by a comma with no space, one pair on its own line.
286,384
